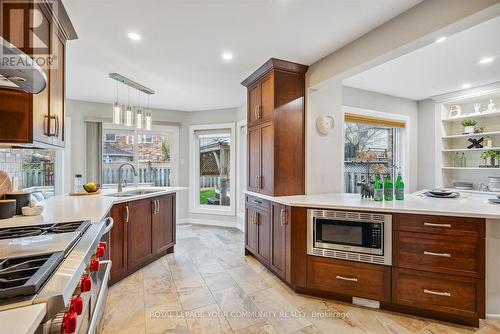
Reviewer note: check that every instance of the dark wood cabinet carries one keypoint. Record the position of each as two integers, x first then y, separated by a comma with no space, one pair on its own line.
251,230
276,132
263,221
118,240
140,232
144,230
163,224
280,240
37,119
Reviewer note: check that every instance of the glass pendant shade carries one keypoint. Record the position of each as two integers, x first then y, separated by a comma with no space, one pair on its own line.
138,119
117,113
148,120
129,116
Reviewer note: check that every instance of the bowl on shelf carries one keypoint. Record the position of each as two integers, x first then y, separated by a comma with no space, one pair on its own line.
92,190
494,183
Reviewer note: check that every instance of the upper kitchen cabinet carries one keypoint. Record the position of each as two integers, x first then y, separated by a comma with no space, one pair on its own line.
276,128
37,31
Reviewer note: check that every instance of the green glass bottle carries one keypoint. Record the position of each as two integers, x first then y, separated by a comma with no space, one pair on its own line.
378,194
388,189
399,188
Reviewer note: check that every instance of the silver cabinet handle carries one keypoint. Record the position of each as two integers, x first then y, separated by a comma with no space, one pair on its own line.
437,293
437,225
283,217
343,278
256,201
57,126
158,206
154,207
257,181
256,218
127,214
437,254
255,112
258,111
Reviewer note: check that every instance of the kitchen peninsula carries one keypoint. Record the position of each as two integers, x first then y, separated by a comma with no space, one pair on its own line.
441,264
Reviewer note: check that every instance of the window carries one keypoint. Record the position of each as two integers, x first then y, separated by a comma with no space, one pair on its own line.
33,169
212,149
110,137
153,154
371,146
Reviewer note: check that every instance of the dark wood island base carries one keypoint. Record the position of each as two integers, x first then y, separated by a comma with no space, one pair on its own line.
450,288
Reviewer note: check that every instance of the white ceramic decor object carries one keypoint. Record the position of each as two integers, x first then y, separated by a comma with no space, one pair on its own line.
325,124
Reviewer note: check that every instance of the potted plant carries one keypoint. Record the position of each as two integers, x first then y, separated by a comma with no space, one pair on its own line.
492,155
469,126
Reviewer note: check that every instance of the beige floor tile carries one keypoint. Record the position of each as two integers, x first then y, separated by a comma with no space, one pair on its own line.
442,328
194,281
262,327
239,307
208,321
192,298
248,279
219,281
211,268
166,325
124,309
131,282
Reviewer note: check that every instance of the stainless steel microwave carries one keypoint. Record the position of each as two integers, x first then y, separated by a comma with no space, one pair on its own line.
353,236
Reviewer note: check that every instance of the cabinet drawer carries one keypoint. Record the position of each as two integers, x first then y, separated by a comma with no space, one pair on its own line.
457,226
258,202
439,253
349,278
438,292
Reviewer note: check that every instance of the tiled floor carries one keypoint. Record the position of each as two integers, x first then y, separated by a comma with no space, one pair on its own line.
209,286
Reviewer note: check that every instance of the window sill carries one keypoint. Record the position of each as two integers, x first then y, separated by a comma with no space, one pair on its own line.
213,211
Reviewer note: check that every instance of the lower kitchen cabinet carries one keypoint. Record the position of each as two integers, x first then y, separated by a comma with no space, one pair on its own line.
144,230
266,235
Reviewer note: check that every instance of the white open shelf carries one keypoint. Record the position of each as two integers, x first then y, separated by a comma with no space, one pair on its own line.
483,114
491,133
471,149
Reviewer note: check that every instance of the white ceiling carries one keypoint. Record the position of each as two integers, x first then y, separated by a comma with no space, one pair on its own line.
179,55
438,68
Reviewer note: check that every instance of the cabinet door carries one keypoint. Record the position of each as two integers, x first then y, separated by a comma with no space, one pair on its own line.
140,237
253,104
266,179
16,118
279,224
163,223
251,233
264,234
41,105
253,159
118,241
266,108
57,91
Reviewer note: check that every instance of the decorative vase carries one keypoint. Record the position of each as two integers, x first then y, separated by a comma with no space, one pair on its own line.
468,130
477,108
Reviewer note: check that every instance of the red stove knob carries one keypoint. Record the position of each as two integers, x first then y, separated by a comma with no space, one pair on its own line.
86,284
104,245
77,305
69,322
94,265
100,251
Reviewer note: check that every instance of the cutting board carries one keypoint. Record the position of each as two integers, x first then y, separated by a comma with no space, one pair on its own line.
5,185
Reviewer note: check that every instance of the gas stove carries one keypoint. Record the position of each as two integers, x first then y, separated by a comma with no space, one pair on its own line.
61,264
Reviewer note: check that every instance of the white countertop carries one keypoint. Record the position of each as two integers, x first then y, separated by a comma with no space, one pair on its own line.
22,320
465,206
65,208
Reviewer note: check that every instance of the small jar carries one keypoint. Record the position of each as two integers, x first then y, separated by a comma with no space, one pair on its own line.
488,142
78,186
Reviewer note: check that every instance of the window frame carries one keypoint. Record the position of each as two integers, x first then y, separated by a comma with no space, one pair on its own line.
194,171
402,143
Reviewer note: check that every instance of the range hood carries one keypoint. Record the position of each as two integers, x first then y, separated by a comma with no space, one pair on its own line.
19,71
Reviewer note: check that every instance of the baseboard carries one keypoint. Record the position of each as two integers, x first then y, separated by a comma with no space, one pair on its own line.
240,222
491,316
211,222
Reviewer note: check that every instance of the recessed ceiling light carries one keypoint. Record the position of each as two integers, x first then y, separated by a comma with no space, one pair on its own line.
486,60
441,39
227,56
134,36
466,86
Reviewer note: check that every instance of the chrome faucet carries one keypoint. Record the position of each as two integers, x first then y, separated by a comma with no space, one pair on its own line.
120,181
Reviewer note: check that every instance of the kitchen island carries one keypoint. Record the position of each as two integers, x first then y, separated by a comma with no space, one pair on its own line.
143,230
443,253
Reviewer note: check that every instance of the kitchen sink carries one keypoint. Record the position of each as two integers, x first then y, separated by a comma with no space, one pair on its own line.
133,193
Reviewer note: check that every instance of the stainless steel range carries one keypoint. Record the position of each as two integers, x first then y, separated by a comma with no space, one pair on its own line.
64,265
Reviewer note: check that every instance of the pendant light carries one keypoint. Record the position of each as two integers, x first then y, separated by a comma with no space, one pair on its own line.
148,118
117,110
129,114
138,112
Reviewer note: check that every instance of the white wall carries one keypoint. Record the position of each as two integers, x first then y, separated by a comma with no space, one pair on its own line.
78,111
427,148
393,105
